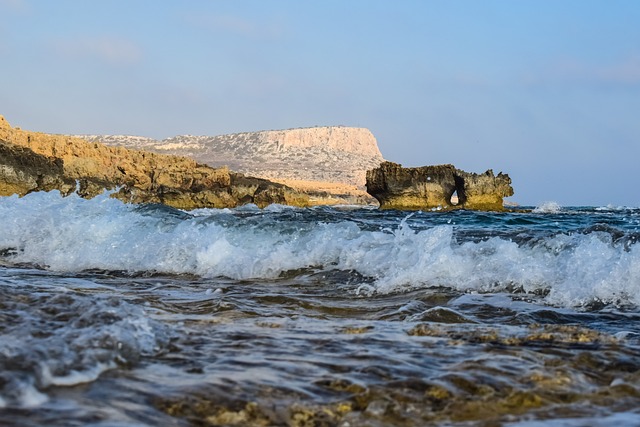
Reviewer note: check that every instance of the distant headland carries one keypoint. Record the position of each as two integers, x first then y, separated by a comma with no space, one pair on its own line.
298,167
328,163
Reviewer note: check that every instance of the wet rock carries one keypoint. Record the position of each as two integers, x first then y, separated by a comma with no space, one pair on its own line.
437,187
32,161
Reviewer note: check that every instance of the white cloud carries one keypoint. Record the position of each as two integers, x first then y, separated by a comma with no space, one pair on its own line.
114,51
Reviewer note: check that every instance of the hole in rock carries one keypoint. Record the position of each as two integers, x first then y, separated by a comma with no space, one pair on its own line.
454,198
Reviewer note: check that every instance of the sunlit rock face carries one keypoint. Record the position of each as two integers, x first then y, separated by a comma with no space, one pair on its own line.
33,161
437,187
331,160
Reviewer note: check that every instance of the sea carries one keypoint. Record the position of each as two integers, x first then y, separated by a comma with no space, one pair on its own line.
113,314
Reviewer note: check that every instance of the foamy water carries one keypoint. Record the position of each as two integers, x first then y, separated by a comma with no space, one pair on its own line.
116,314
574,263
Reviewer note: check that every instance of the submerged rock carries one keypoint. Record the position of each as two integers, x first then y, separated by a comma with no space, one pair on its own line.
33,161
437,187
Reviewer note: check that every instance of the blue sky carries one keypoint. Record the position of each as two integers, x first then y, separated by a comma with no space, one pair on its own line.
546,90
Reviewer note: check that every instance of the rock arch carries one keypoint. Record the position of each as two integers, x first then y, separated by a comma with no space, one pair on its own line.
430,187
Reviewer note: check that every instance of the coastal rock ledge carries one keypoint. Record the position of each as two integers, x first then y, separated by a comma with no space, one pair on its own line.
437,187
33,161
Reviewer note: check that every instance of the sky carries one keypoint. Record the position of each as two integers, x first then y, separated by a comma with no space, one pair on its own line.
547,91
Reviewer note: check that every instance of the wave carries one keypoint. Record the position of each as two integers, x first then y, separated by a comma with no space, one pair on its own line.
72,234
66,339
548,207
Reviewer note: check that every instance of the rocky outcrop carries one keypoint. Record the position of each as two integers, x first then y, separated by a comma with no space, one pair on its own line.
329,163
32,161
22,170
437,187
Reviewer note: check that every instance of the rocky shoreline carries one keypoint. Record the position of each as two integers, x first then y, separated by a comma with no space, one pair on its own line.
441,187
33,161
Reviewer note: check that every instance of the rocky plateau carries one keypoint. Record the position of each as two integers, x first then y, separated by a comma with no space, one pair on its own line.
328,163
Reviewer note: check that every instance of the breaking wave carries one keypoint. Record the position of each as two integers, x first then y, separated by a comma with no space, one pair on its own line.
569,266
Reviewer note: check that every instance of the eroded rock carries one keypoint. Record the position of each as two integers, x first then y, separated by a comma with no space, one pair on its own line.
437,187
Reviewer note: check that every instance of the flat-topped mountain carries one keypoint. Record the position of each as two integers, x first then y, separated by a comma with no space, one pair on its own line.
332,159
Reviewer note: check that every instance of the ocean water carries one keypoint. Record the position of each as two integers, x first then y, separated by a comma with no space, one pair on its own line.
121,315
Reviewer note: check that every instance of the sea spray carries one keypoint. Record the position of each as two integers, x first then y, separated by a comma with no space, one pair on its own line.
574,264
143,315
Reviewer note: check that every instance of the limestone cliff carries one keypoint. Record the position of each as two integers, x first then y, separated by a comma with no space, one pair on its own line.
437,187
332,159
32,161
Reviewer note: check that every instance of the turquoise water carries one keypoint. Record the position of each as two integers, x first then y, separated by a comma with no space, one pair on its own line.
121,315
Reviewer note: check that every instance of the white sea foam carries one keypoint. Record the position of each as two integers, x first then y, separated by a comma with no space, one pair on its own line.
73,234
548,207
611,207
29,396
74,377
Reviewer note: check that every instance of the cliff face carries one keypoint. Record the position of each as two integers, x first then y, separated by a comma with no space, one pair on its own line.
332,138
324,156
33,161
22,170
440,187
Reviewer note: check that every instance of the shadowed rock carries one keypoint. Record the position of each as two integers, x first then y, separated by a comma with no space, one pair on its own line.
439,187
32,161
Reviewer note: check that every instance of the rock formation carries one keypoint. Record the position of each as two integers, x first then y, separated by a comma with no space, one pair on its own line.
32,161
329,163
437,187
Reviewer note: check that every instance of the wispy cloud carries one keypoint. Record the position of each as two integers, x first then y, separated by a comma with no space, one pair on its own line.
236,25
15,5
110,50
